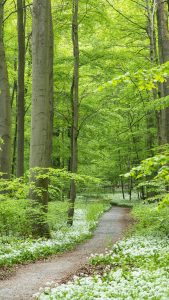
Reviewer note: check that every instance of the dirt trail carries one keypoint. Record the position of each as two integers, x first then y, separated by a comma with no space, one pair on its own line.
30,278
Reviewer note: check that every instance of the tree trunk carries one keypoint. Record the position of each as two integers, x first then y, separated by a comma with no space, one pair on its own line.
75,108
121,178
151,8
5,105
130,188
14,148
150,12
21,90
42,76
51,91
163,44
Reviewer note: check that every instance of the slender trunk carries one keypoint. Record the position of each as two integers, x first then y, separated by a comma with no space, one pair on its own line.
151,8
14,97
14,88
14,137
62,158
150,11
122,187
163,45
121,178
20,91
75,108
130,187
135,143
5,104
42,95
14,148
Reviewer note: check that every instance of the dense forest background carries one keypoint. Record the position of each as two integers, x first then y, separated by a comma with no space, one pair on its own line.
84,88
112,123
84,129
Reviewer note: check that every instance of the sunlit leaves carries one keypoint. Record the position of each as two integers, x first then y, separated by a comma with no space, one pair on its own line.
144,79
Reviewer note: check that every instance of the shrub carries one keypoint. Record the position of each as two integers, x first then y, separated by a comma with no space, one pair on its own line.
151,219
16,217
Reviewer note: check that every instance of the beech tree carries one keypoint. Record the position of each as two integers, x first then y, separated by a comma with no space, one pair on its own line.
20,90
40,148
5,106
75,109
163,45
150,7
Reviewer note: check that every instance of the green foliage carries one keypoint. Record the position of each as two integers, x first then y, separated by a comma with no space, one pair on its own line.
60,179
14,226
152,220
96,209
144,79
16,217
153,176
108,121
13,218
18,188
57,214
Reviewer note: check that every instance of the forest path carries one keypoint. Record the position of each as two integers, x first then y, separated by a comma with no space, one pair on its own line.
30,278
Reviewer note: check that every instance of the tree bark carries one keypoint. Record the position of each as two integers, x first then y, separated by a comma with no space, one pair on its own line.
21,90
42,95
51,91
150,12
163,45
75,110
121,178
5,105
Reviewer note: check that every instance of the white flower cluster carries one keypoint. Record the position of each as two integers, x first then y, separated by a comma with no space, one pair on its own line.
134,248
138,284
62,239
123,281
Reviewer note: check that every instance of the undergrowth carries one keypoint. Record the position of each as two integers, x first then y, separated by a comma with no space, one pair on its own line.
135,268
117,200
15,249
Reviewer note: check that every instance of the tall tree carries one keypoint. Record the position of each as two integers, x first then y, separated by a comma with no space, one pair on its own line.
151,32
150,10
20,90
75,109
163,44
5,106
40,148
51,83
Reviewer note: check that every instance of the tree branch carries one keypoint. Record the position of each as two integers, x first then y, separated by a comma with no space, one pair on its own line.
124,16
15,11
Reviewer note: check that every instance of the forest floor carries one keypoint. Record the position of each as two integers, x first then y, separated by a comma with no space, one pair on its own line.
28,279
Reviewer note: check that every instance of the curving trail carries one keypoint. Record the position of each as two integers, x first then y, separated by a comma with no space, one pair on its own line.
30,278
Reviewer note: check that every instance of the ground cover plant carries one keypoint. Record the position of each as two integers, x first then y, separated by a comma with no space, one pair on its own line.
134,268
127,201
14,249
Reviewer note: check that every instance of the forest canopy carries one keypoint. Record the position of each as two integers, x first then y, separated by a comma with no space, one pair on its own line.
83,97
